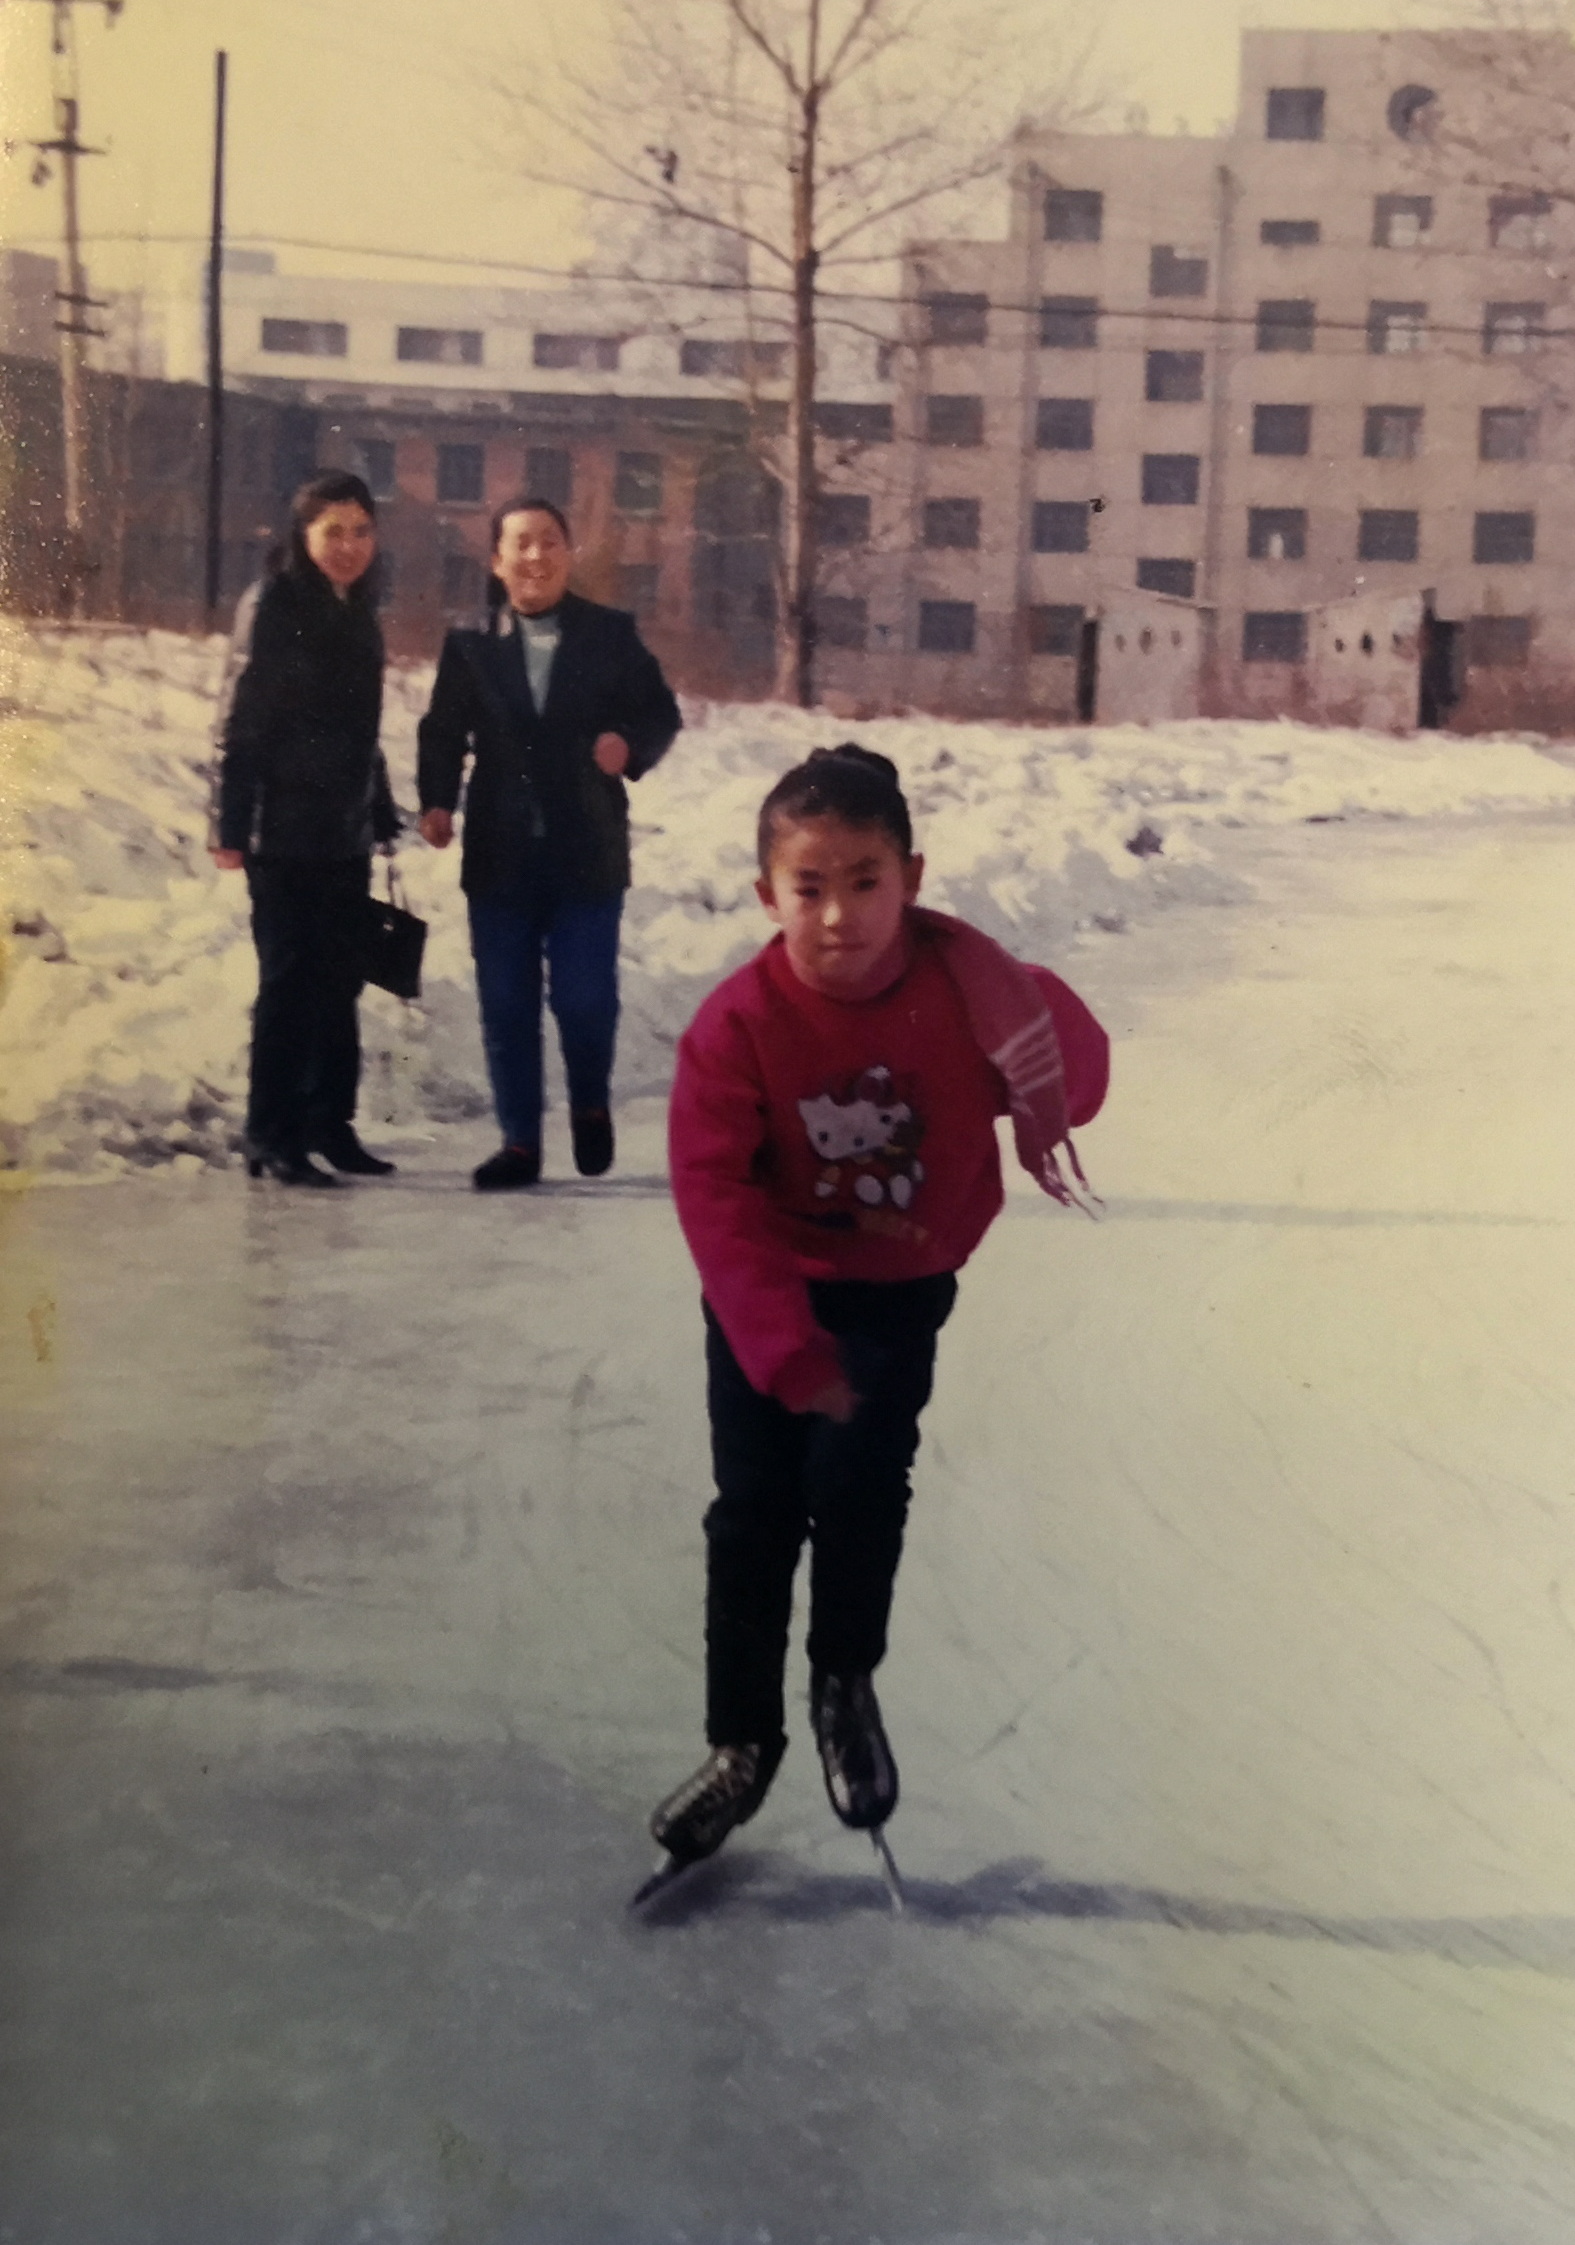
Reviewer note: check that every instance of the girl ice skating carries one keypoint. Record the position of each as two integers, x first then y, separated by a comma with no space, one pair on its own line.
834,1164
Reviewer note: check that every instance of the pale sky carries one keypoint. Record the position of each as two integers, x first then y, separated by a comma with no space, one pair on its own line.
362,122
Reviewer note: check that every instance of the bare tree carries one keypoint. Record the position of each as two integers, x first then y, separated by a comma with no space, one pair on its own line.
807,136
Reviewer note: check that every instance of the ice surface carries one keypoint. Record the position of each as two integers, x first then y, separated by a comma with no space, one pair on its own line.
350,1595
123,1026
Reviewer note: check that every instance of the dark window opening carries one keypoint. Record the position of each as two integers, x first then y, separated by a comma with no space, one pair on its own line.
1276,533
1286,324
1290,233
1506,432
1060,526
375,461
1069,323
1174,272
957,319
590,354
1393,330
854,424
842,518
1173,377
1504,537
1392,432
1175,577
955,421
1065,425
637,483
1285,431
549,474
1411,113
311,339
1273,635
1509,329
951,522
460,472
1518,223
1055,630
1074,214
439,346
841,622
1171,479
946,627
1387,534
732,359
1402,221
1294,113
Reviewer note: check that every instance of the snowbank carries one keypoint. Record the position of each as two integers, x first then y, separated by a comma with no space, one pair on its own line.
128,972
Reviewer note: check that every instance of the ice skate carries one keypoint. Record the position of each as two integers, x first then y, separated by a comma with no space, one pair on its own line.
724,1792
861,1776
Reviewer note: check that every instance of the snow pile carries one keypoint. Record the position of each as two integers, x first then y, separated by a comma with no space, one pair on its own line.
128,970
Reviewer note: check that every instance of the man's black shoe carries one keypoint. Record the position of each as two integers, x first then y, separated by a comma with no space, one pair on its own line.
508,1169
592,1131
346,1152
861,1776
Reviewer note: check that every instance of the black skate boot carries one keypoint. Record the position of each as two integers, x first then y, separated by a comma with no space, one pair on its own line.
725,1791
861,1776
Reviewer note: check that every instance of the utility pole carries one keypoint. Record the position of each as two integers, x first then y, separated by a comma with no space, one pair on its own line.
73,323
215,526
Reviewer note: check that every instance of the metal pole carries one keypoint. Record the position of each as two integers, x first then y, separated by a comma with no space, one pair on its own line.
215,544
72,330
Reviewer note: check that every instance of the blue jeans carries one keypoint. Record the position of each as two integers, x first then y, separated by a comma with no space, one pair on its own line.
513,933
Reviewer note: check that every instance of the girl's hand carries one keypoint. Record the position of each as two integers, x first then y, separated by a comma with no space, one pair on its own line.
228,861
611,753
437,828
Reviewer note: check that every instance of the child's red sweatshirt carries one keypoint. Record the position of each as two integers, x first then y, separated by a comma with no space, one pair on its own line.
822,1138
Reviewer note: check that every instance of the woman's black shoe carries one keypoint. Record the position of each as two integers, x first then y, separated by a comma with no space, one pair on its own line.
287,1168
346,1152
592,1131
508,1169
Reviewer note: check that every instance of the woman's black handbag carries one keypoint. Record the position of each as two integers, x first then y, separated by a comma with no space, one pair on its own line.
392,943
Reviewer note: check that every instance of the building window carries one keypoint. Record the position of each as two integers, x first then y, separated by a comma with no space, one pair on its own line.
946,627
375,464
1068,323
587,354
1386,534
886,356
1170,479
1402,221
1505,432
1504,537
638,584
439,346
1273,635
464,583
957,319
1519,223
732,359
1411,113
460,469
1509,329
1392,432
954,421
1294,113
1286,324
1276,534
854,424
1175,577
308,339
1285,431
1074,214
637,483
951,522
1055,630
1065,425
1173,377
549,474
1177,272
841,622
1290,233
1060,526
1395,329
842,518
1498,642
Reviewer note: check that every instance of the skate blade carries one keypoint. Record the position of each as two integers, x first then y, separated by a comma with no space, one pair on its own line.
891,1877
666,1872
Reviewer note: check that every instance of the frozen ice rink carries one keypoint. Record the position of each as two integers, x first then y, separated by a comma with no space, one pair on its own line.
350,1584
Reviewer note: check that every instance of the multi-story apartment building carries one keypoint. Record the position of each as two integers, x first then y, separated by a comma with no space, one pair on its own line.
1260,423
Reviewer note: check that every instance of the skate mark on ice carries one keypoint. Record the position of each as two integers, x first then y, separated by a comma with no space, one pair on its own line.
103,1673
1290,1213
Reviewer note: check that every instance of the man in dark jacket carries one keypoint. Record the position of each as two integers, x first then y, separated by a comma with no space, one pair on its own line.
557,702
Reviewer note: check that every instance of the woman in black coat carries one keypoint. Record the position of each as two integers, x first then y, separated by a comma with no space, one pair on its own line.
557,702
300,797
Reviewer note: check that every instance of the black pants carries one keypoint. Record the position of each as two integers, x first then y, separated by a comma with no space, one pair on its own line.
783,1475
307,923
